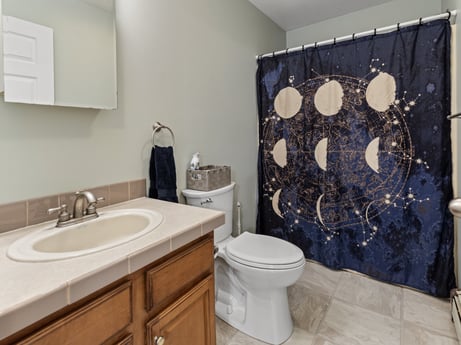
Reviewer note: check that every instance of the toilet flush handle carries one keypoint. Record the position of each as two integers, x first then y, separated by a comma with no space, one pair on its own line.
206,201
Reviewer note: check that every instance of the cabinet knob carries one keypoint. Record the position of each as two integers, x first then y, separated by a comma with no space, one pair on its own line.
159,340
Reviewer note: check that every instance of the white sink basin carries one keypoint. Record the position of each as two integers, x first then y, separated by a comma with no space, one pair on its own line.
110,229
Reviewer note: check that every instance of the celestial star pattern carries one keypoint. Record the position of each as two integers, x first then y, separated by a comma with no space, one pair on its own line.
355,155
367,193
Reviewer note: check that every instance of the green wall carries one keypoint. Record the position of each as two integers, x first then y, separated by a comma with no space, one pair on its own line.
188,64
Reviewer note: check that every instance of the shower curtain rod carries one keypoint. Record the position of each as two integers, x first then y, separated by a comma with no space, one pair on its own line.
454,116
448,14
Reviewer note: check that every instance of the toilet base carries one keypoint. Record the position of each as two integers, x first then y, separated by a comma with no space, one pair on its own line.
267,316
260,313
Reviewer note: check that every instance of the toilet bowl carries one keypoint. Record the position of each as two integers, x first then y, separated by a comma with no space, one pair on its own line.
252,273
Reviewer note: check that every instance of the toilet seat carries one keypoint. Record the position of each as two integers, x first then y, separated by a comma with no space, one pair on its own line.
265,252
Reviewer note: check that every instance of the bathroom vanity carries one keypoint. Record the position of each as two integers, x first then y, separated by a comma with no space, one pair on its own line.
166,296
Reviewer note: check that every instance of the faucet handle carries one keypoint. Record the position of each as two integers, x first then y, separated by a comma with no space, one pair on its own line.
91,209
63,214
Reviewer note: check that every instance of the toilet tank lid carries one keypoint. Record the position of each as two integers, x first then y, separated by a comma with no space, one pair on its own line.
262,249
192,193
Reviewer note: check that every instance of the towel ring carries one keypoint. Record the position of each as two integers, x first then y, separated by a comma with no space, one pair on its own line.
157,127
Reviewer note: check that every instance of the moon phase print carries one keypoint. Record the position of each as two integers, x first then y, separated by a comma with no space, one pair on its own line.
350,138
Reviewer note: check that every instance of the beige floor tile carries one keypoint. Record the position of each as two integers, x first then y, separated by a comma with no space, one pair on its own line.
320,278
226,335
307,307
428,312
243,339
361,312
224,332
300,337
319,340
370,294
346,324
415,335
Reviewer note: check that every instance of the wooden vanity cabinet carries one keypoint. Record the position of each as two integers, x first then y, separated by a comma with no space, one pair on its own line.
170,302
180,298
186,321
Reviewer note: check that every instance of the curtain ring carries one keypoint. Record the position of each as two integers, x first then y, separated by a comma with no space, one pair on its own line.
286,51
420,20
315,45
374,33
334,41
398,26
273,54
353,36
449,14
302,49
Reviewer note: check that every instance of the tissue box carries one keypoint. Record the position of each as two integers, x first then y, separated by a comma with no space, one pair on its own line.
208,177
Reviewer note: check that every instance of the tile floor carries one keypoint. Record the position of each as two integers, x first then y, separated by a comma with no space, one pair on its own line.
343,308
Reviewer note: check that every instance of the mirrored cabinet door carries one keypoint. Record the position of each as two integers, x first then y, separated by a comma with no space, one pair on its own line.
83,50
1,50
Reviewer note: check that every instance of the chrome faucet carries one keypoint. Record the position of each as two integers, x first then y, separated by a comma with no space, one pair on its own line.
83,198
84,209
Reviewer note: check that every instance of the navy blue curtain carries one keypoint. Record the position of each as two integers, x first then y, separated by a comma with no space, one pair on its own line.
355,155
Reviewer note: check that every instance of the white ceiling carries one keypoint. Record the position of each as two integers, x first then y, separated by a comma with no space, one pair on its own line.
293,14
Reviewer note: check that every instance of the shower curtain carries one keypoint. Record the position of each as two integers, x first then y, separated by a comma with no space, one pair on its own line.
355,155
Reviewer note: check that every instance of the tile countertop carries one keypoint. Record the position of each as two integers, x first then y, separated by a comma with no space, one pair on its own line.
31,291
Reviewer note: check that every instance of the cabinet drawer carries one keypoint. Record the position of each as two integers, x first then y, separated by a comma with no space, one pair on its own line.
171,279
92,324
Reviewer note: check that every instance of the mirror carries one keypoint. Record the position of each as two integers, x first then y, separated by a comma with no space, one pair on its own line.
83,48
1,51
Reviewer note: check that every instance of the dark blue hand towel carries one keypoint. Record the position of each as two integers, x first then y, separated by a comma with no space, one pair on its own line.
162,173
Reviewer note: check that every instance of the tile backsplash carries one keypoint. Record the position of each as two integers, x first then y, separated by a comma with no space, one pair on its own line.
29,212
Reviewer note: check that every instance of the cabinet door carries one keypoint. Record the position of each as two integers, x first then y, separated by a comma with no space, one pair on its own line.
189,321
128,340
168,281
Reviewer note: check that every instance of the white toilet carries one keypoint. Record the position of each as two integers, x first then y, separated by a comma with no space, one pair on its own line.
252,273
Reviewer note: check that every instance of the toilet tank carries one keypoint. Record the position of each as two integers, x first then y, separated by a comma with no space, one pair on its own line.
221,199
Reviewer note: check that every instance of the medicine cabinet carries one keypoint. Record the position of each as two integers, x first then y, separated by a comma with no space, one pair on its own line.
82,55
